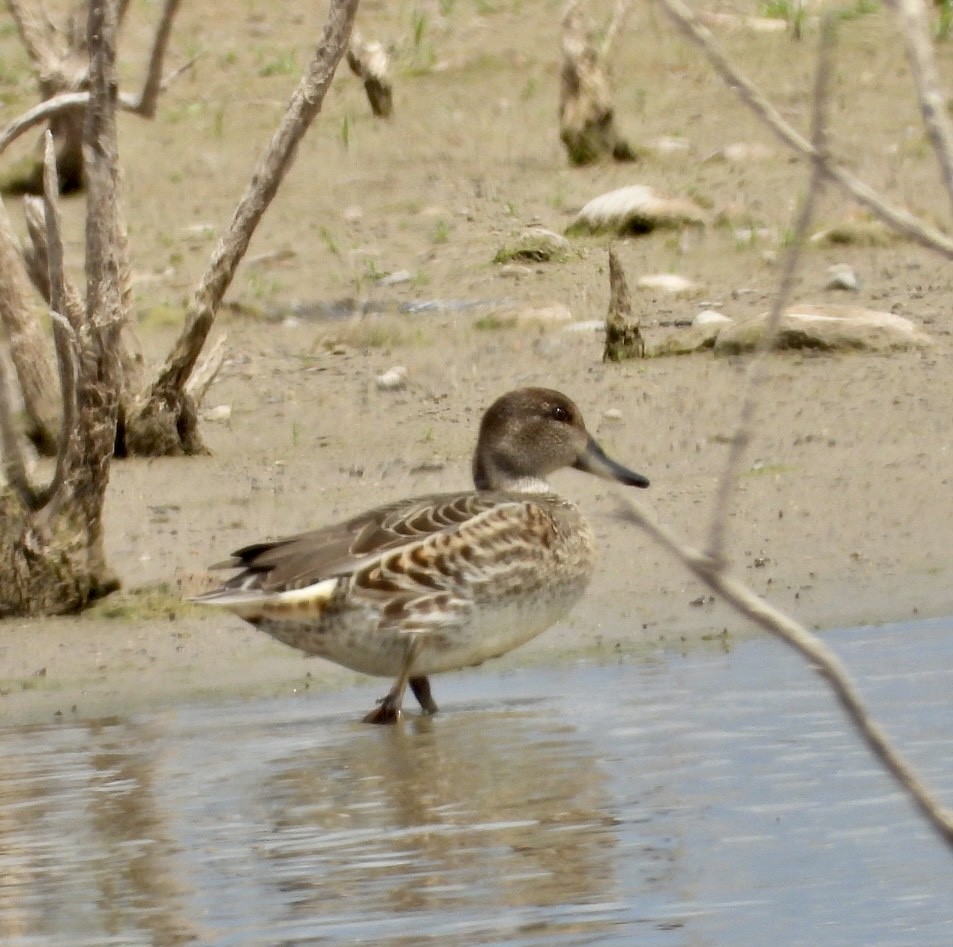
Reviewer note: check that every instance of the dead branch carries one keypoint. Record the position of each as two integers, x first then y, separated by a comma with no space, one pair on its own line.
49,108
757,368
711,567
14,463
825,662
28,348
167,398
65,330
107,288
915,28
36,32
586,117
152,86
896,217
144,104
206,371
619,15
623,332
62,71
369,62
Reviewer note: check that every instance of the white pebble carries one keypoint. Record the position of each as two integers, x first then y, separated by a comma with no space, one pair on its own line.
393,379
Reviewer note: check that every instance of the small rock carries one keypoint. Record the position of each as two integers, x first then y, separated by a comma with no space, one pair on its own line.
221,412
665,283
634,210
536,245
396,278
708,317
515,271
612,414
586,325
827,328
394,379
742,152
669,145
842,276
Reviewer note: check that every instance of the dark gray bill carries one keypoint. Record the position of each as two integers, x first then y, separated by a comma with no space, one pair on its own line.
594,460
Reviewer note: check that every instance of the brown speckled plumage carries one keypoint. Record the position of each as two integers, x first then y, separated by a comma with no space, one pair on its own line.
436,583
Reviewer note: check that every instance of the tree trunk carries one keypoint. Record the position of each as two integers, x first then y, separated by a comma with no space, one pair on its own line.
586,117
52,558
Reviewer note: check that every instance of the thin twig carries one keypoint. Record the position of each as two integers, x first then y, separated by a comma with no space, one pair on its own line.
152,86
619,15
49,108
65,334
14,463
144,104
825,662
304,105
916,31
757,368
896,217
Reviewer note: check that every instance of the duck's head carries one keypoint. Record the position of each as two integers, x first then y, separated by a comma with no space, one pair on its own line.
528,433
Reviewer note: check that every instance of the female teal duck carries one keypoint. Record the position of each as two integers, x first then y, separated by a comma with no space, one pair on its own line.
440,582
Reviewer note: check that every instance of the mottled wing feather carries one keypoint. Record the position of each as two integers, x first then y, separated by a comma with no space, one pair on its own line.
435,581
339,550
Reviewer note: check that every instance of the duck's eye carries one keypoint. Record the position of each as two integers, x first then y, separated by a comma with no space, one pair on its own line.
559,413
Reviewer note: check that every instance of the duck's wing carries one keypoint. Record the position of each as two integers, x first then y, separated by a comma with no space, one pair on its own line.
300,561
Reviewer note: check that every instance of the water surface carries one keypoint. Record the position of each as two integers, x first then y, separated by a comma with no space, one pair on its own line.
713,798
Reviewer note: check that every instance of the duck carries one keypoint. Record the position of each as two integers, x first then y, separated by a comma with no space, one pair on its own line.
437,583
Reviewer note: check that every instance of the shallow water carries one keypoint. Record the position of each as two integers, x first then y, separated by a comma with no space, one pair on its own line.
707,799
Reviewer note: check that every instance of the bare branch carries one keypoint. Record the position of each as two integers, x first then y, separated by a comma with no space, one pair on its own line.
69,453
206,371
29,349
615,27
827,664
36,32
916,31
65,333
14,464
898,218
305,104
148,98
49,108
757,368
106,244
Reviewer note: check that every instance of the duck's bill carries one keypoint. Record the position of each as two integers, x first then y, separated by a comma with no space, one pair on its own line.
594,460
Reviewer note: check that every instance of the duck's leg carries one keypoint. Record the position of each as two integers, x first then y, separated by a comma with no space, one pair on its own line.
388,707
421,688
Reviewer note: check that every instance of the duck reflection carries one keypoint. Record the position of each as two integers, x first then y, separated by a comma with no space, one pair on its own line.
493,809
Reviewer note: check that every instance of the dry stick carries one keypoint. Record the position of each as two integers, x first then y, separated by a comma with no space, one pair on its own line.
616,24
896,217
305,104
65,333
36,32
206,371
916,31
26,341
711,569
14,465
827,664
144,104
46,110
757,368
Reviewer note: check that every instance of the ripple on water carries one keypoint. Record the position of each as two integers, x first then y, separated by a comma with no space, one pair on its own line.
700,799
